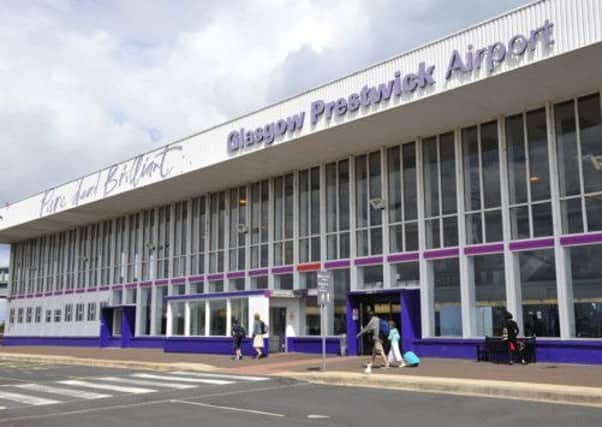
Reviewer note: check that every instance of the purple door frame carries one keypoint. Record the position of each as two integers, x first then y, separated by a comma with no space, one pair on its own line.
410,317
128,326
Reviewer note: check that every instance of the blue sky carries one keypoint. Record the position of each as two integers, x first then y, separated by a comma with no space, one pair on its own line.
102,81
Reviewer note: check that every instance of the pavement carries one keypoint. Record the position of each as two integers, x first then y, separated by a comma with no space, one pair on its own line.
557,383
36,394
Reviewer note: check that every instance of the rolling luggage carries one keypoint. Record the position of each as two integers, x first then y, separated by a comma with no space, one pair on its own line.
411,358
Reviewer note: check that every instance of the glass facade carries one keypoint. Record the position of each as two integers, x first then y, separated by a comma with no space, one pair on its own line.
480,184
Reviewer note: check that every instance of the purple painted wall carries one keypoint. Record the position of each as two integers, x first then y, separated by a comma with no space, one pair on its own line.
210,345
51,341
313,345
411,327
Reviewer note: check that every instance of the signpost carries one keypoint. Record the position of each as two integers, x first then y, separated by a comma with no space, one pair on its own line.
324,298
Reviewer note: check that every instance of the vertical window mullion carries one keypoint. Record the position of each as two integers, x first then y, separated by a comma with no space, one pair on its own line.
402,198
580,165
481,190
528,173
440,203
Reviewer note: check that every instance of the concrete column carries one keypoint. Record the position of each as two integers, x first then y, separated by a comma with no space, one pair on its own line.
427,314
564,288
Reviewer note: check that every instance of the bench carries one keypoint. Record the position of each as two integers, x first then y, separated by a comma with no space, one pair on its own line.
495,349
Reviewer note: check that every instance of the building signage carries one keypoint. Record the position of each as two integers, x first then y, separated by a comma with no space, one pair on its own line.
474,59
139,170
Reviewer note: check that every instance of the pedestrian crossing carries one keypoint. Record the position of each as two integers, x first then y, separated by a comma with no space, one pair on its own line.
90,388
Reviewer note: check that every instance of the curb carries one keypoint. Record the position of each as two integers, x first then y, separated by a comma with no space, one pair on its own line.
549,393
120,364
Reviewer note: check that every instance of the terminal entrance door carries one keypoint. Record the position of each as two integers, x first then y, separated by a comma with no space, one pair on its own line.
385,306
277,327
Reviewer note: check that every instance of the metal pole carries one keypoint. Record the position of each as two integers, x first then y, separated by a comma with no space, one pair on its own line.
323,330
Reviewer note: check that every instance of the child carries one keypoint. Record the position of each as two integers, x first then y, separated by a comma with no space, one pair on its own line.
394,352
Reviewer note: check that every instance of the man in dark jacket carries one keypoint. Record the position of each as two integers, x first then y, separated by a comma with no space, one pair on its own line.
510,336
238,333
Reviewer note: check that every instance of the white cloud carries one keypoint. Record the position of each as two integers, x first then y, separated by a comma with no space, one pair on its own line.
85,84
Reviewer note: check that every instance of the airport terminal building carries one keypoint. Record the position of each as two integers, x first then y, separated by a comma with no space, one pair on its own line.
442,187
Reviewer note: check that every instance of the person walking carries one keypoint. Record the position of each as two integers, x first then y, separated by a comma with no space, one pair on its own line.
259,330
238,333
394,351
373,329
510,334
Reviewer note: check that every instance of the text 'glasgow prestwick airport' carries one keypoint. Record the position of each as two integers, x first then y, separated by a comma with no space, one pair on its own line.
489,57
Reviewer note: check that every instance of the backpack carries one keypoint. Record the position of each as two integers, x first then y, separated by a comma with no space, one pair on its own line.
263,328
383,329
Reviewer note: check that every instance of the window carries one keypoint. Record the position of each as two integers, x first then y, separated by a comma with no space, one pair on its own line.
238,228
12,316
48,316
578,136
28,314
538,288
161,310
20,315
117,296
197,318
490,294
337,210
240,311
68,312
197,287
178,312
309,215
587,290
439,170
482,195
105,254
95,247
57,315
119,256
341,279
38,315
133,252
180,237
91,311
405,274
217,317
79,312
145,310
370,277
237,285
283,220
117,318
312,315
283,281
448,313
368,202
199,229
149,248
528,175
259,282
403,198
259,223
215,286
217,209
83,256
130,295
163,249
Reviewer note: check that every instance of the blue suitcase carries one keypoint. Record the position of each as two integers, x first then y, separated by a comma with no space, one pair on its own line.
411,358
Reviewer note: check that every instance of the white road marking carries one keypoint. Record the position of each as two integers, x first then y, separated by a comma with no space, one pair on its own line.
135,390
229,377
26,399
63,391
228,408
146,382
148,403
317,416
182,379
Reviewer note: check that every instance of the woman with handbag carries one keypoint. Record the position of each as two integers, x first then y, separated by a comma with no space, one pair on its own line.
259,331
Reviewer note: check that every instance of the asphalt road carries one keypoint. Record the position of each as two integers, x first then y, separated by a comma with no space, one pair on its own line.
74,396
